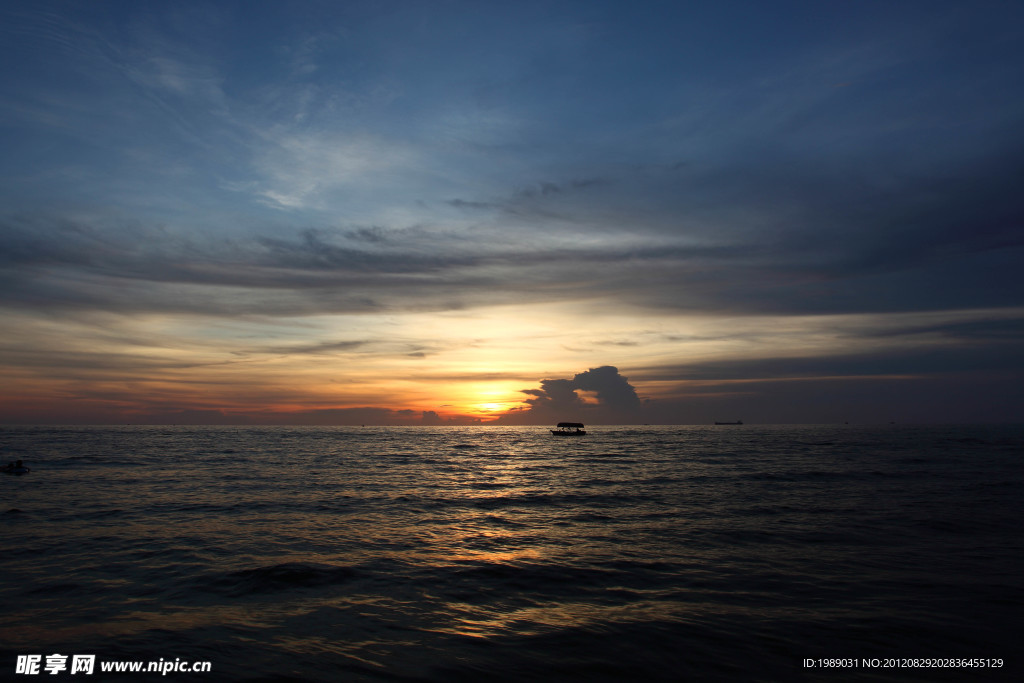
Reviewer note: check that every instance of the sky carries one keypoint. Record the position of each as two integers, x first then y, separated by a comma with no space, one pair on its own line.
514,213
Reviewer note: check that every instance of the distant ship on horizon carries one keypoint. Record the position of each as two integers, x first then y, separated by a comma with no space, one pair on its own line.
737,422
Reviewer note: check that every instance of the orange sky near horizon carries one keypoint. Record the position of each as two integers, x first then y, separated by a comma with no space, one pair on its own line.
458,367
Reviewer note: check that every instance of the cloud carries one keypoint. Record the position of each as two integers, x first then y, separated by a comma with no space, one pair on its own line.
322,348
558,400
554,395
463,204
49,261
614,392
304,169
911,253
339,164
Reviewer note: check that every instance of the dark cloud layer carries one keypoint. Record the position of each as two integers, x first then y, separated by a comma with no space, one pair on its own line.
760,236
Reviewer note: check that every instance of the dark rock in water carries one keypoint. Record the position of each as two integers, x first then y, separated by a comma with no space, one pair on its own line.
13,511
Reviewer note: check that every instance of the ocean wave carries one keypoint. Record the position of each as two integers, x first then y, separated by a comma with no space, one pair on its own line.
655,554
275,578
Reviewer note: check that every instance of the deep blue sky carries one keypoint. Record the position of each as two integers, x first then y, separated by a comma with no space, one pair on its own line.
234,211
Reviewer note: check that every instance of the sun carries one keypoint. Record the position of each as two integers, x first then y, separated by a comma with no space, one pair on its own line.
489,400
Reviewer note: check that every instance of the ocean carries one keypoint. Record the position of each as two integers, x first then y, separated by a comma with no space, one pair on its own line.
763,553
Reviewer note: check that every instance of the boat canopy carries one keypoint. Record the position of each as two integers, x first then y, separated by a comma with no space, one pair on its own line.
577,425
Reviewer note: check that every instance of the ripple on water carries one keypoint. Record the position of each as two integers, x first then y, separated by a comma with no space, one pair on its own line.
447,554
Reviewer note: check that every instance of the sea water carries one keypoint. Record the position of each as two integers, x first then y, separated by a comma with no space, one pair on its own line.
505,554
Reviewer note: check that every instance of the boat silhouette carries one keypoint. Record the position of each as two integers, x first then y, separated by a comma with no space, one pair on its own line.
569,429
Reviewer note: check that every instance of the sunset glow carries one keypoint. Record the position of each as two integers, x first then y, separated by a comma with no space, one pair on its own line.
402,214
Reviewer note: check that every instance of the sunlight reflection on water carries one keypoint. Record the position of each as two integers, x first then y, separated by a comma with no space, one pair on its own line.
389,551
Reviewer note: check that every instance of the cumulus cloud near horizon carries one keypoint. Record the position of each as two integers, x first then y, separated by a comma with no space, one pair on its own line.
598,395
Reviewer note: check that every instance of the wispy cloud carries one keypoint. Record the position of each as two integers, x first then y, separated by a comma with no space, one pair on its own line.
508,194
310,170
